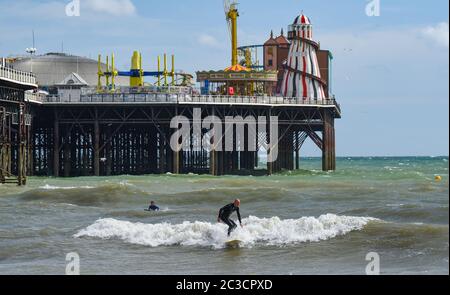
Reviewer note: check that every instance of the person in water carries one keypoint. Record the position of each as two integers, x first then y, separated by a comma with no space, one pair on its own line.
153,206
225,213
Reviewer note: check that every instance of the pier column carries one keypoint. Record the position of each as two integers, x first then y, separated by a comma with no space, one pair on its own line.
96,148
153,150
271,164
291,150
20,147
213,162
176,162
297,150
256,153
332,145
74,152
235,153
29,148
162,152
21,164
169,152
56,147
213,154
221,154
329,146
67,152
108,151
282,151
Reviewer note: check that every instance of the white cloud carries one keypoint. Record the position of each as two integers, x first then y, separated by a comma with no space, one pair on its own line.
114,7
208,40
438,33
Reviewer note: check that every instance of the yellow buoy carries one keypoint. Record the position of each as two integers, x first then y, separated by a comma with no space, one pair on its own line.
438,178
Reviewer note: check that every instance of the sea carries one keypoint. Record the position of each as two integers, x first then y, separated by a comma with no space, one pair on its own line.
390,211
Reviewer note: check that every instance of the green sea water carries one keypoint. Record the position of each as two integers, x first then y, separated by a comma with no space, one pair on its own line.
301,222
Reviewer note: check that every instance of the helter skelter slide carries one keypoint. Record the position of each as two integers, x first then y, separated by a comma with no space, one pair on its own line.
302,77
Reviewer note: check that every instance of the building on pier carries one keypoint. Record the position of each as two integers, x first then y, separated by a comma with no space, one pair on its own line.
236,80
276,50
52,68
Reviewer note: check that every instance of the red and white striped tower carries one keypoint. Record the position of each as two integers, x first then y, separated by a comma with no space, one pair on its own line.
302,74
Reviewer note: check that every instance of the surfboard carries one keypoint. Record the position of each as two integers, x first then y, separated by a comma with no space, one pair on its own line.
233,244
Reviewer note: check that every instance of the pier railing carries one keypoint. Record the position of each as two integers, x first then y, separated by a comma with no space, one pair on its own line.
180,98
138,90
35,97
17,76
269,100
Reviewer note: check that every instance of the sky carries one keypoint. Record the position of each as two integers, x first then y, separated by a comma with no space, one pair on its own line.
390,72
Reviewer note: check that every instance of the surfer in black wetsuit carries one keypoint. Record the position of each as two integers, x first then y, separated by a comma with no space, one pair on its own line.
225,213
153,207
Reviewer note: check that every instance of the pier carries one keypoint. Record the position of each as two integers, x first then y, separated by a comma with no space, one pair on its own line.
109,134
100,127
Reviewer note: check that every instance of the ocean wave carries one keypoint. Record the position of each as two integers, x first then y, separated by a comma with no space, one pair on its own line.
416,231
257,231
85,195
142,213
215,195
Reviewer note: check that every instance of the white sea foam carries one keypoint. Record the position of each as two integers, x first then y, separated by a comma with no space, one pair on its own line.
395,205
257,231
52,187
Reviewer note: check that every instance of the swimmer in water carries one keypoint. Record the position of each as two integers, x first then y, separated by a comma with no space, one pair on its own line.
153,206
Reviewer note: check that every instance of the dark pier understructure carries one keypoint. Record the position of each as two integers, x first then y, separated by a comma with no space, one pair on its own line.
133,138
16,148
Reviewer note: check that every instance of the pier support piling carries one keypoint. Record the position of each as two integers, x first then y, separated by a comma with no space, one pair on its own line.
329,146
96,148
56,147
136,140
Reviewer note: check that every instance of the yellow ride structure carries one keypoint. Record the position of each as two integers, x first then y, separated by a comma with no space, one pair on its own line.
232,14
236,79
136,73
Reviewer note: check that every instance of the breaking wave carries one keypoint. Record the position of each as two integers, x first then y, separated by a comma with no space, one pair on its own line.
53,187
257,231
